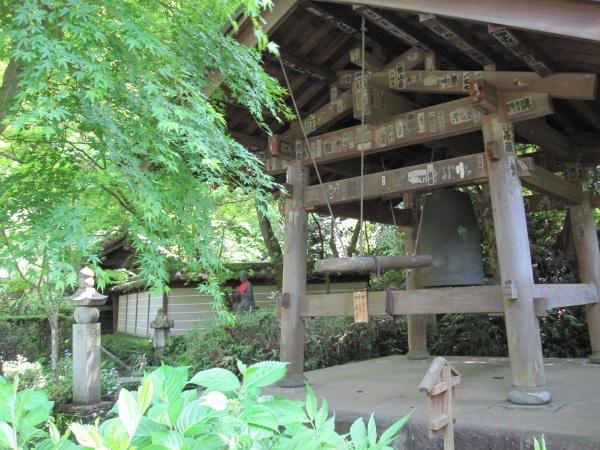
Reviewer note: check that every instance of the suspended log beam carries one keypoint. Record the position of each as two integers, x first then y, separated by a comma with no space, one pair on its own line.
423,125
371,263
447,31
581,86
545,182
558,17
517,45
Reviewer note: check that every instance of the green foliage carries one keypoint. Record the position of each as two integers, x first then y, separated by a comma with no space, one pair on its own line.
469,335
256,337
30,375
21,412
229,414
29,336
126,351
565,333
61,389
541,445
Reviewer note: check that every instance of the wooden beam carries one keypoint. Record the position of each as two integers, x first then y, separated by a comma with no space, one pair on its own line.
565,295
328,114
580,20
336,22
372,63
467,45
549,140
518,46
248,141
582,86
303,65
476,299
423,125
588,112
377,104
458,171
371,213
545,182
272,19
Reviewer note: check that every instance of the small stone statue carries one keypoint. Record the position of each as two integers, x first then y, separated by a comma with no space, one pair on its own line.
244,296
161,326
161,320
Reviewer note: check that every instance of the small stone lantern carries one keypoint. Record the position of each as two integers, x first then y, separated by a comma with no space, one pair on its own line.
162,329
86,339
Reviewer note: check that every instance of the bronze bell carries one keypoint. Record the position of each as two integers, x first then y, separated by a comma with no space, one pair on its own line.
449,233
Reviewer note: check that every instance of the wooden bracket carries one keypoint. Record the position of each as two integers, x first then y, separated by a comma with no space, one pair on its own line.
280,149
491,151
510,291
484,96
283,301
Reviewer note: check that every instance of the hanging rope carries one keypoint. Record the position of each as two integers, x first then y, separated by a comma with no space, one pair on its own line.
363,95
336,232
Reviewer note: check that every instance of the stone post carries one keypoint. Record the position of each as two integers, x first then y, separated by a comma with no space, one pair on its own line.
86,340
162,329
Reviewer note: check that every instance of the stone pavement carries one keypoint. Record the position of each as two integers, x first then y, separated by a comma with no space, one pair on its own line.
388,387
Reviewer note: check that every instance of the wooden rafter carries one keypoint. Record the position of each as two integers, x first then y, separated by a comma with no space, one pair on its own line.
579,20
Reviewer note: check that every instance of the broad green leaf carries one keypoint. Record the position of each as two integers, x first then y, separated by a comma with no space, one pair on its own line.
168,439
7,435
388,435
192,420
144,396
265,373
358,431
372,430
216,379
259,415
142,437
86,435
321,415
168,383
311,403
287,411
128,411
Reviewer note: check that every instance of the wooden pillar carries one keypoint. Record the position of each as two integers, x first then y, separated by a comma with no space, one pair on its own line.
417,323
294,278
588,256
522,326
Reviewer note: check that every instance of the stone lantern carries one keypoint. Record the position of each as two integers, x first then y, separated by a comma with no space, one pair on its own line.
86,339
162,329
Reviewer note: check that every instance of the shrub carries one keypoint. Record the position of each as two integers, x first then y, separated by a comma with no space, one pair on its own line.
29,374
126,352
228,414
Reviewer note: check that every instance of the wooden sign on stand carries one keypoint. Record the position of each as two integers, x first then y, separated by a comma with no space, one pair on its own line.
439,384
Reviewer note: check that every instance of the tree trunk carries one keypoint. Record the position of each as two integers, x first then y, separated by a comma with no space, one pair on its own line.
8,90
332,246
54,356
565,242
272,244
354,240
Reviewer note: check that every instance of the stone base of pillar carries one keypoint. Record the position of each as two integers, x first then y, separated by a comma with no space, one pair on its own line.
529,395
417,355
595,358
292,380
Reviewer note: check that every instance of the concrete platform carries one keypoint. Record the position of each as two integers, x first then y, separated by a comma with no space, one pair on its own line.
388,387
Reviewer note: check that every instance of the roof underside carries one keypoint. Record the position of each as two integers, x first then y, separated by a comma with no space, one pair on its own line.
554,45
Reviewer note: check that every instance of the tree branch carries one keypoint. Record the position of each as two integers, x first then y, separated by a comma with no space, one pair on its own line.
8,90
119,199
